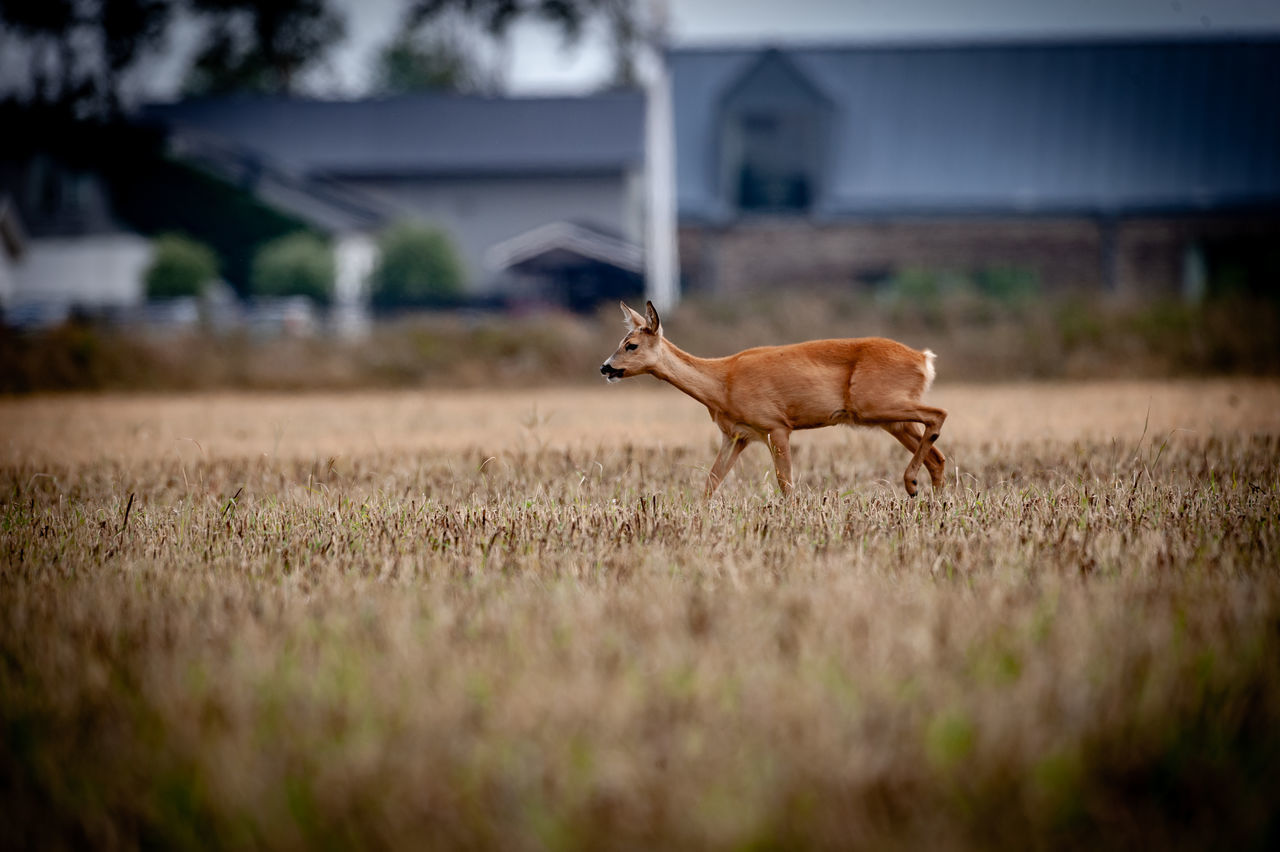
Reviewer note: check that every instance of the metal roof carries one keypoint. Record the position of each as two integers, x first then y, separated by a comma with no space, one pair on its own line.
1103,127
428,134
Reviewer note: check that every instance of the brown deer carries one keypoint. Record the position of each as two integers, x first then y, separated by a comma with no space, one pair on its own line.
766,393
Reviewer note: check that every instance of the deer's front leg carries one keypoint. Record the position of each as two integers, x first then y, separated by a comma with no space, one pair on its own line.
780,447
730,448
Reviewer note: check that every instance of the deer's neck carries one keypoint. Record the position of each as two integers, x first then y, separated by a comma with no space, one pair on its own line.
701,378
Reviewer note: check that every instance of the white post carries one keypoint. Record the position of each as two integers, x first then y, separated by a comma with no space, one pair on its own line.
354,257
662,277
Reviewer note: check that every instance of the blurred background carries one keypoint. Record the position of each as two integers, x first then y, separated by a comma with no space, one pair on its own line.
334,193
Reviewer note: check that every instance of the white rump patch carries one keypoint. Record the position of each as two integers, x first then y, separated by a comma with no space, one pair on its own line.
929,372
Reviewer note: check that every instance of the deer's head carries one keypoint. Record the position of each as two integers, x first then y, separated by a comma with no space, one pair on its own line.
640,349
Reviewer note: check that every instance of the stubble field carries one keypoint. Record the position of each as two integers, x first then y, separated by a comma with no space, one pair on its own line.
478,620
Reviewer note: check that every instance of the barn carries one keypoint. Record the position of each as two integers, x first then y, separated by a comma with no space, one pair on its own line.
1139,168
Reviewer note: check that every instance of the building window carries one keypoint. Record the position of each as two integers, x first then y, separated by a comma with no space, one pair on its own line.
45,188
775,167
772,140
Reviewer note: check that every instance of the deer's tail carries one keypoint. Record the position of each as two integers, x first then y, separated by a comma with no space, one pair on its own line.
929,372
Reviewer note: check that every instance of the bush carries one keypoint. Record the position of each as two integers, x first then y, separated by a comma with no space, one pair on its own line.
1009,285
299,264
418,265
181,267
917,285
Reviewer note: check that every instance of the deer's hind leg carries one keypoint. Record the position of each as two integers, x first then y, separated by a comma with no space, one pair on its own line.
909,435
887,414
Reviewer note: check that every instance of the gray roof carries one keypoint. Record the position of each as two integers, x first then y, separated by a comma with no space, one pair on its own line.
1099,127
423,134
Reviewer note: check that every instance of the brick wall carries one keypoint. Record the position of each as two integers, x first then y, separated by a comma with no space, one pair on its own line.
1132,257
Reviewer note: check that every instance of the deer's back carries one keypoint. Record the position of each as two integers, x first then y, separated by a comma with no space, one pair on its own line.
821,382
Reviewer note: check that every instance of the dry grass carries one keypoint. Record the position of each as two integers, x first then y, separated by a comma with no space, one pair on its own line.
480,621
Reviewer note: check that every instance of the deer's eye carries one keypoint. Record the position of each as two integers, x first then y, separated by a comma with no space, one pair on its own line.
631,346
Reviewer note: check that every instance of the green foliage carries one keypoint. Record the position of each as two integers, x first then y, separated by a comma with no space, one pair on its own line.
418,265
949,739
84,50
1079,323
261,46
922,293
154,195
917,285
431,62
1009,285
300,264
181,267
491,19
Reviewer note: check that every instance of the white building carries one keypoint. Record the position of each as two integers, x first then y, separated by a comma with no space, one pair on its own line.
62,248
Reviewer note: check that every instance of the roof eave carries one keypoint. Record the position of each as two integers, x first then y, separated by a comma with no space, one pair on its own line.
439,172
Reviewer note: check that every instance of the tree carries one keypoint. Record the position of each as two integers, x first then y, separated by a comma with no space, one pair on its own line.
627,29
417,265
78,52
628,34
181,267
497,16
299,264
261,46
418,61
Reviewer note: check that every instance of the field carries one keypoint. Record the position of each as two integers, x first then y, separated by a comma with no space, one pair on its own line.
479,620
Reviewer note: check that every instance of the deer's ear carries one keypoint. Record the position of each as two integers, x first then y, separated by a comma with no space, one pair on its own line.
653,323
630,318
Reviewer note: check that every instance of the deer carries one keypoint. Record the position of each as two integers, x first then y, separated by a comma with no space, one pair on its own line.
767,392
